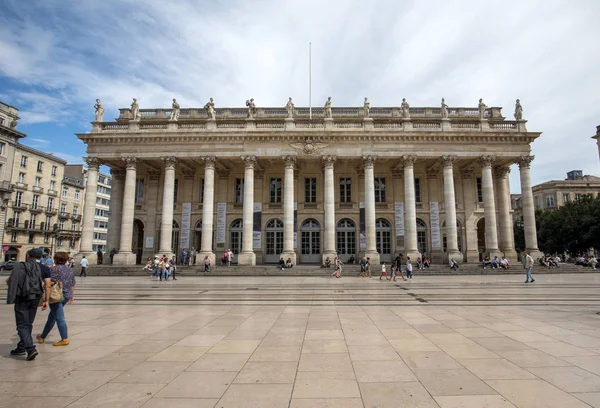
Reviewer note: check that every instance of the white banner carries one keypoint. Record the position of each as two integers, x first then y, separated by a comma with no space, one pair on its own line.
186,215
221,222
434,217
399,217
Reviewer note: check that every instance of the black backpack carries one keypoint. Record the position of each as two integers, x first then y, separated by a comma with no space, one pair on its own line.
32,285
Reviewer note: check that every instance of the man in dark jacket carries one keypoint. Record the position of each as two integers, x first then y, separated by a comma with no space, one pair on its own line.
25,289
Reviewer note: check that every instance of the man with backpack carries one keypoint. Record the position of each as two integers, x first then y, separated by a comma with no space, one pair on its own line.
25,289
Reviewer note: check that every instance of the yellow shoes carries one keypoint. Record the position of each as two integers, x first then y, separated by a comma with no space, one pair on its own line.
40,339
64,342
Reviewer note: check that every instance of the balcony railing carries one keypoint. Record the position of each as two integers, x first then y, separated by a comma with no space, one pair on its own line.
21,186
38,189
52,193
76,217
51,211
20,205
36,209
6,186
63,215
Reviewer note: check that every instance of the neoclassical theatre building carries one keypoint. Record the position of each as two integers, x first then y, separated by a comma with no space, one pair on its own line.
304,184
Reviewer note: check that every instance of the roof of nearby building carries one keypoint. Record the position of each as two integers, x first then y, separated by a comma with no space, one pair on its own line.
48,156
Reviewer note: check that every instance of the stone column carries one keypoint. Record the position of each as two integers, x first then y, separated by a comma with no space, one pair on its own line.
89,210
410,210
450,209
371,250
489,207
208,206
531,242
507,238
166,220
116,206
247,256
126,256
469,199
329,204
288,209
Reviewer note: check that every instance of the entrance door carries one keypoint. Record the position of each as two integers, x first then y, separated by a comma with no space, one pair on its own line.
383,239
138,240
346,239
274,247
235,238
310,241
198,235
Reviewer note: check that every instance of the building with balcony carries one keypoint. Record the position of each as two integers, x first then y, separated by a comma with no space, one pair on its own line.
307,183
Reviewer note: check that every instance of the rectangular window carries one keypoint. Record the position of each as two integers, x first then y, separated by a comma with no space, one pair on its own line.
35,202
13,237
59,242
566,197
38,181
201,191
549,201
139,190
24,161
345,190
77,195
275,190
63,208
48,222
21,178
239,190
417,190
2,145
175,190
380,189
538,203
32,221
19,198
65,192
52,185
102,179
479,190
54,171
40,166
61,225
75,210
46,238
50,203
310,190
577,197
16,217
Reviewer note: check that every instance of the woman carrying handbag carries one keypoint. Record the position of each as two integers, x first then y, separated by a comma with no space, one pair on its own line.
61,275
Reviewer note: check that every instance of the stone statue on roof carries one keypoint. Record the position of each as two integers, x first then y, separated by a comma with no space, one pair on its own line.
175,110
289,106
251,108
518,110
482,107
99,111
135,110
444,109
405,108
327,108
366,107
210,109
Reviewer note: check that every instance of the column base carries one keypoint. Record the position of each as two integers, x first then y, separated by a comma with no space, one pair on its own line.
247,258
472,256
535,254
495,252
511,255
200,258
456,255
289,254
436,256
375,258
124,258
413,257
90,256
328,254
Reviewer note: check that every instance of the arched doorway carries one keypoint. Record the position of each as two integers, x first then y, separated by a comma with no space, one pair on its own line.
198,235
458,236
310,241
346,239
481,238
138,240
383,239
421,237
235,237
175,239
12,253
274,236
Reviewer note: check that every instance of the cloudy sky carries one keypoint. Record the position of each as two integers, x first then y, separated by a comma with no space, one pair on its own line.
57,56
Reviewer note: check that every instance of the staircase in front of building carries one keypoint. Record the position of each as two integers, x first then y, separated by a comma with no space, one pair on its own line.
314,270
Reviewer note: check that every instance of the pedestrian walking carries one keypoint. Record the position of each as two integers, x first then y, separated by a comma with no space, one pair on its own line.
409,268
84,264
206,264
368,268
383,272
173,267
193,256
528,264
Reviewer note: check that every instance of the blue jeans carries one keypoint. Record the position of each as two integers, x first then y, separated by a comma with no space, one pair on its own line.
528,271
164,275
57,315
155,271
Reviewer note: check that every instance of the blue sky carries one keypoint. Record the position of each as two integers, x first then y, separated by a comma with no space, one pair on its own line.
58,56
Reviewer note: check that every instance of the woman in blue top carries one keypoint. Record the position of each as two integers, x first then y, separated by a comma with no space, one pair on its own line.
63,273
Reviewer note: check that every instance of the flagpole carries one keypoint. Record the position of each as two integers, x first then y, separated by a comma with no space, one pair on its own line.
309,82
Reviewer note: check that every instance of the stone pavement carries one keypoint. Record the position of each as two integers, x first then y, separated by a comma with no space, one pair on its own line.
468,341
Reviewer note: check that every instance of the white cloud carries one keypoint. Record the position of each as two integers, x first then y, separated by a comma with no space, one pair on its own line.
539,51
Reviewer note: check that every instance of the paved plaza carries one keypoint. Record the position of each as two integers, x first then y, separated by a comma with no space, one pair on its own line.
310,342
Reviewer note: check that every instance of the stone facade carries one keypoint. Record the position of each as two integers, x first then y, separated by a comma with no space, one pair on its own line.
276,183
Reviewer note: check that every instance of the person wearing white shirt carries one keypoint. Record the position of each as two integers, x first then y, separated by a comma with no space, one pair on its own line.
83,263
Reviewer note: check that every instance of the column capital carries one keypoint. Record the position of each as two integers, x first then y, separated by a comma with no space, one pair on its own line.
249,161
289,160
448,161
130,162
117,174
524,161
92,162
169,161
486,161
369,160
467,173
209,161
501,172
328,161
409,161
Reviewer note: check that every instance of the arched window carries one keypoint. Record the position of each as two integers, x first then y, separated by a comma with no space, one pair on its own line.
310,241
346,238
274,223
175,238
198,235
235,235
274,237
346,223
421,236
383,239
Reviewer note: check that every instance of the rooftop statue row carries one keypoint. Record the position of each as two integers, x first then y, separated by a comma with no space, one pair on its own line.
209,107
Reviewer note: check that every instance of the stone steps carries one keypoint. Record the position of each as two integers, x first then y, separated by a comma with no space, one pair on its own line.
310,270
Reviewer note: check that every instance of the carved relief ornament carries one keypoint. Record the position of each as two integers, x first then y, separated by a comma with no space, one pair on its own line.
309,147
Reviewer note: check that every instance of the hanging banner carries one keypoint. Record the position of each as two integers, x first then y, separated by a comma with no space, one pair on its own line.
296,225
257,227
221,222
399,218
434,217
186,215
361,221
